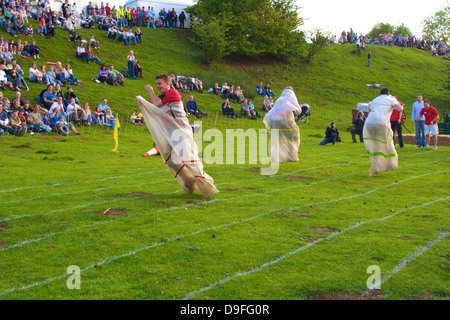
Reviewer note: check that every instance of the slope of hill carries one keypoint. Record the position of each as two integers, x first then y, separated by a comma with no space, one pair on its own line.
331,86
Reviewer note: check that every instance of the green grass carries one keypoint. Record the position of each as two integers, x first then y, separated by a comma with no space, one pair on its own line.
312,229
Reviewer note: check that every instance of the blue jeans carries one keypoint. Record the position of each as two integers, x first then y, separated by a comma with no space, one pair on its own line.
131,69
328,140
420,126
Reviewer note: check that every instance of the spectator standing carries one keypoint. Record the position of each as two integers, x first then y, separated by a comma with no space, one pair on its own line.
431,118
419,124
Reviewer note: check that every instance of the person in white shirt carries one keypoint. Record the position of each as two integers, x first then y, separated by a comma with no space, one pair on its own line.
419,124
75,112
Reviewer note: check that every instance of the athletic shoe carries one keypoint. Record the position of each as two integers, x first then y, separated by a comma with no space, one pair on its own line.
435,147
417,147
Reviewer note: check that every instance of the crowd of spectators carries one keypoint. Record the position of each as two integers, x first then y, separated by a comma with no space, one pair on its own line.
437,47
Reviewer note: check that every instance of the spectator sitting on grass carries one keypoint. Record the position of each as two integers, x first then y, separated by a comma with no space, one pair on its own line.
69,77
25,51
29,31
228,110
138,36
89,116
112,33
260,89
254,113
51,76
245,111
34,74
81,53
114,76
269,92
94,43
99,115
48,98
136,119
192,108
110,119
215,90
70,95
137,69
266,105
3,78
16,124
239,94
62,127
102,74
75,113
34,50
197,85
36,120
73,35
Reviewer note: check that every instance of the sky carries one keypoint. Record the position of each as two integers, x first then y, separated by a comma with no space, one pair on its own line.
335,16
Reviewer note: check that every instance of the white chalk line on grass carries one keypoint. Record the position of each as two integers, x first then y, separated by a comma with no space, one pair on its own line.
164,170
159,211
185,206
289,254
409,259
222,226
124,198
91,181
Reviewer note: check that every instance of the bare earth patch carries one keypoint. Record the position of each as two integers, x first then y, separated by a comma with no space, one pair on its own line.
347,296
228,190
196,203
138,194
3,226
298,178
114,212
324,230
251,188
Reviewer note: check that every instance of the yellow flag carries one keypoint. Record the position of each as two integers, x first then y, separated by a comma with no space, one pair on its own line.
116,135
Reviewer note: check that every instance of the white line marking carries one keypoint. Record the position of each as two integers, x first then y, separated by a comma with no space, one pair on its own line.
238,274
410,258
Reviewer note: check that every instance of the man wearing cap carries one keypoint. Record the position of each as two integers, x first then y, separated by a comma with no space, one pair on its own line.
358,121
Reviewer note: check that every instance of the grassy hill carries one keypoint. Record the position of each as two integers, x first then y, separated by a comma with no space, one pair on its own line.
331,86
311,231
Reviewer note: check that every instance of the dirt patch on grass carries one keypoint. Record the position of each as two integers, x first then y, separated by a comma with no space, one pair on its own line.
229,190
300,214
430,296
252,189
254,169
138,194
324,230
195,203
445,256
3,226
114,212
298,178
372,295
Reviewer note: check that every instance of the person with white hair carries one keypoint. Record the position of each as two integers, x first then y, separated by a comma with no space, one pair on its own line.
285,134
377,133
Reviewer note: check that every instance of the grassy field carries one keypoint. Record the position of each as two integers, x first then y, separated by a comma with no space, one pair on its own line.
309,232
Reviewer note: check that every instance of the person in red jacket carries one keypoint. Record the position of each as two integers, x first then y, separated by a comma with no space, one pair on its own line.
431,118
396,125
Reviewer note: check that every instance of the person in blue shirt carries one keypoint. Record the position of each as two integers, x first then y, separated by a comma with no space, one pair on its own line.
192,108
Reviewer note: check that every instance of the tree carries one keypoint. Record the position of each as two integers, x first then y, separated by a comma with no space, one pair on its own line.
381,28
252,28
402,30
437,27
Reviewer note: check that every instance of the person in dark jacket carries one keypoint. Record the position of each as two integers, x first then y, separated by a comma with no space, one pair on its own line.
331,135
358,121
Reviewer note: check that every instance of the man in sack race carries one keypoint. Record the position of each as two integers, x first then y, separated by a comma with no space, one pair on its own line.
167,121
378,135
285,134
